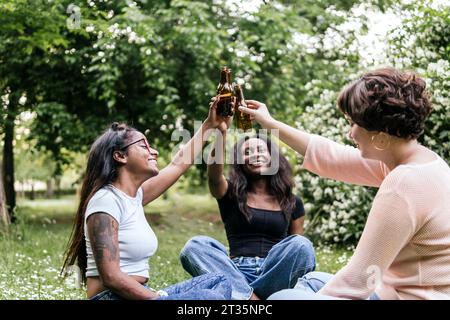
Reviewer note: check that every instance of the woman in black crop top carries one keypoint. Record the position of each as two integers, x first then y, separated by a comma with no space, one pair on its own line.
263,221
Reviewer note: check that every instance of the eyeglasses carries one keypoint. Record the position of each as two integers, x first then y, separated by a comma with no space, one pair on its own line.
137,141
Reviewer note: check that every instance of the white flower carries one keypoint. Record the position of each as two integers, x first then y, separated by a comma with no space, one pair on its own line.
317,194
23,100
332,224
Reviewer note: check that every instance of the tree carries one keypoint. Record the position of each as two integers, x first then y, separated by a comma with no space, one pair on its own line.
153,64
419,42
4,217
423,44
32,165
29,30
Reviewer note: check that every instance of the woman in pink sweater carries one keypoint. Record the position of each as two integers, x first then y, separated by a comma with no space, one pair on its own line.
404,250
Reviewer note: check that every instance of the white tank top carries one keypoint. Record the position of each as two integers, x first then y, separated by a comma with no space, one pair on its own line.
137,241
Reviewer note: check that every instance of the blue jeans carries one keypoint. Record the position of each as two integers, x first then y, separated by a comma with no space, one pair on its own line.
207,287
307,288
286,261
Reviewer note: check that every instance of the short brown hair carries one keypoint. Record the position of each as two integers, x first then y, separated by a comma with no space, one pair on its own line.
387,100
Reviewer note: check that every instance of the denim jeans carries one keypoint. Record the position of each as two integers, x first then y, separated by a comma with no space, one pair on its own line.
286,262
207,287
307,288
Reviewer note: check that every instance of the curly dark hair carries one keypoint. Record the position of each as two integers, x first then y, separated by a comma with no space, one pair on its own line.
387,100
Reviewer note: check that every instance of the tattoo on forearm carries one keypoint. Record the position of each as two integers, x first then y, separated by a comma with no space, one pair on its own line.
103,233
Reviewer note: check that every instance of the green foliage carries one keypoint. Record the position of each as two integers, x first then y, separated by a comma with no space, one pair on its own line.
337,211
155,65
61,129
28,32
27,160
421,42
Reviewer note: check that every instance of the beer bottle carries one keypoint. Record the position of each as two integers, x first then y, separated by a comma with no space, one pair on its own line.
243,120
225,92
229,106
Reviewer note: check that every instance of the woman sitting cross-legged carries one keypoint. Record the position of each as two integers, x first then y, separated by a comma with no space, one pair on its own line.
112,240
404,250
263,221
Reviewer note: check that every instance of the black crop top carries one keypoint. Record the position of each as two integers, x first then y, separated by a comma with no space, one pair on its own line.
265,229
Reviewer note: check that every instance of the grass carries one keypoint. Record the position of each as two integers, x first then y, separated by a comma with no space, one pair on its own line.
31,251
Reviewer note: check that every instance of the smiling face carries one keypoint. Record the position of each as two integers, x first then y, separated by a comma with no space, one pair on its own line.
256,156
141,158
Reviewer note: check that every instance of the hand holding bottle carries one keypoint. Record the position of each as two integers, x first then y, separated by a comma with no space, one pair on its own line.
258,111
243,121
216,121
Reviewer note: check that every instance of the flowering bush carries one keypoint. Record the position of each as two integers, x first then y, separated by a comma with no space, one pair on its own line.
337,211
422,44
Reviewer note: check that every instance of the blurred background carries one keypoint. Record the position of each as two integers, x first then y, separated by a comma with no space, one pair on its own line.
70,68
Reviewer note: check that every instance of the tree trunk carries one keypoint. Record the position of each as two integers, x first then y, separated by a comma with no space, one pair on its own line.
8,164
32,191
50,192
58,186
22,191
4,217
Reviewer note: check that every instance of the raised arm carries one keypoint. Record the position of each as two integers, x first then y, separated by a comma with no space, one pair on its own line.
217,183
103,234
296,139
322,156
184,158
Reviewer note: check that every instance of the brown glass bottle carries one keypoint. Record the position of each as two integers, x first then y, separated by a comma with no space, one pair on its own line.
229,107
225,90
243,120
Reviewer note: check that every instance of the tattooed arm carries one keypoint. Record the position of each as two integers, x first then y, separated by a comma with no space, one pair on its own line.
103,232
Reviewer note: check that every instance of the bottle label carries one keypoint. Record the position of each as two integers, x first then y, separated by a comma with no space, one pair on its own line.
225,95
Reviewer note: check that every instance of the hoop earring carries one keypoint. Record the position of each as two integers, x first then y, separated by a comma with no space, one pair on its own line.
377,147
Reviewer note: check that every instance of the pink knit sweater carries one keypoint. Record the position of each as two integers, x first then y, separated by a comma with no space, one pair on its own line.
404,250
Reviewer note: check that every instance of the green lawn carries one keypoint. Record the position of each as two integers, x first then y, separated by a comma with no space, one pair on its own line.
31,252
